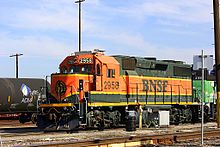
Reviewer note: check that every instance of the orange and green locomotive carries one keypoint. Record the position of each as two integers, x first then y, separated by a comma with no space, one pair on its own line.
95,90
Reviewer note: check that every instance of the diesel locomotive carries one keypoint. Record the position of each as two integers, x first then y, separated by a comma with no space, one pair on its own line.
94,90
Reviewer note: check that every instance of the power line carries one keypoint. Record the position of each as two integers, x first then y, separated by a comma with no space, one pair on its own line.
16,59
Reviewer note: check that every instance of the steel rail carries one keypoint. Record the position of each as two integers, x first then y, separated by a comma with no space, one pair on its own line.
165,139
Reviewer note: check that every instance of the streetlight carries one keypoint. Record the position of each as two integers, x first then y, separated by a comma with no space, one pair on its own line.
16,55
79,2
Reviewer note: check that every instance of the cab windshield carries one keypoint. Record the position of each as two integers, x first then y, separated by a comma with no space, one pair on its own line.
81,69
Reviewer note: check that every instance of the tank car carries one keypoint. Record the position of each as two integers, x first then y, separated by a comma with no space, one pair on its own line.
95,90
19,96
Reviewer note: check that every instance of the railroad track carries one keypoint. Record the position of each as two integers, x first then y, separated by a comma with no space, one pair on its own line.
31,136
161,139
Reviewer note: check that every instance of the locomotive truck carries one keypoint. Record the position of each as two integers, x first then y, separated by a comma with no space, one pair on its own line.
95,90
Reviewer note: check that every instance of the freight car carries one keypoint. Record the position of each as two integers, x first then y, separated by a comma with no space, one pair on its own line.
19,96
95,90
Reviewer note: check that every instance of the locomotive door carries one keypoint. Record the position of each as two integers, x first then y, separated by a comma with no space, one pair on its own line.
98,78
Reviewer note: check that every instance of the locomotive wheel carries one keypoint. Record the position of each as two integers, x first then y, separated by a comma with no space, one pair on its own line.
42,122
101,125
175,118
188,115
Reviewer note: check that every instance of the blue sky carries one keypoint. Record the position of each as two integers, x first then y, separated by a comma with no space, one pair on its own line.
46,31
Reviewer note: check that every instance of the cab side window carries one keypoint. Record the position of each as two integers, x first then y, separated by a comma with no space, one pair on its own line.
63,69
98,70
110,73
86,69
74,69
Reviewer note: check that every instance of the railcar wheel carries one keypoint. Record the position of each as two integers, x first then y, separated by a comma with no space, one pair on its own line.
23,118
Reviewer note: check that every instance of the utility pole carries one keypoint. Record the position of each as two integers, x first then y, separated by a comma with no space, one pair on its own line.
202,100
79,2
217,56
16,59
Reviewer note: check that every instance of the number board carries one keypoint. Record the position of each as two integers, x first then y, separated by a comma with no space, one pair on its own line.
85,60
111,85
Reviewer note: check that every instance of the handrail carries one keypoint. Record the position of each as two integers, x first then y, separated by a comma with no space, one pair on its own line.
75,91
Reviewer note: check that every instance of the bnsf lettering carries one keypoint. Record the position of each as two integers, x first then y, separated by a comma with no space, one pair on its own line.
155,85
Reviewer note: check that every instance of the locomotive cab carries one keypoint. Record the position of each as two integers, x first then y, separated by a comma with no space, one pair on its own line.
65,84
97,71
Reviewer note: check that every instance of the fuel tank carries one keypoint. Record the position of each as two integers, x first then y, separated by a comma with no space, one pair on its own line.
20,95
